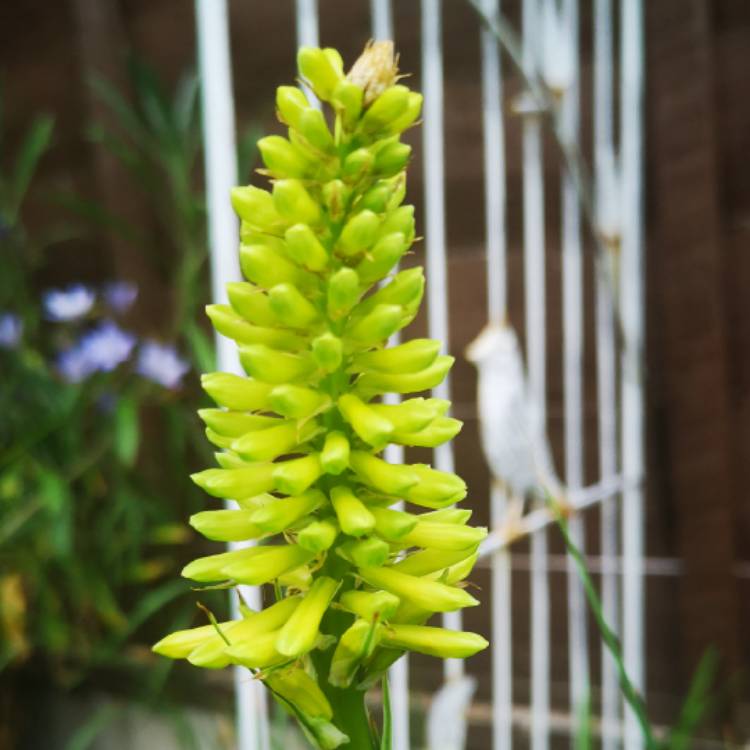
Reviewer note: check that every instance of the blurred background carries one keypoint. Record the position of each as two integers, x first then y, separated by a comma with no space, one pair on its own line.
105,273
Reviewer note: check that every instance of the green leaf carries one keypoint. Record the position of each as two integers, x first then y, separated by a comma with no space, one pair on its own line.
85,735
127,430
386,738
201,348
696,704
583,730
34,145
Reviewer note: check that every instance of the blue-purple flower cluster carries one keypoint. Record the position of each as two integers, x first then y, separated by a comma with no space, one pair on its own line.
104,346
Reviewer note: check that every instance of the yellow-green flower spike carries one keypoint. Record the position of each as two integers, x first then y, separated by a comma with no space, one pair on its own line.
300,437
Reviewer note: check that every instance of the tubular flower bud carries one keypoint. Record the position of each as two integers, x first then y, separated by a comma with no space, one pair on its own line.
234,326
300,436
354,518
282,158
297,401
413,356
305,248
370,605
445,644
226,525
300,631
356,644
318,536
334,457
281,514
251,303
366,553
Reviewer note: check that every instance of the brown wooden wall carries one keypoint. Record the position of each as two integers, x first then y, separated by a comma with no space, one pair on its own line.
698,259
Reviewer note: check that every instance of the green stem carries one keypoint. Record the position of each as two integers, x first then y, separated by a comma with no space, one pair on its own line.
632,697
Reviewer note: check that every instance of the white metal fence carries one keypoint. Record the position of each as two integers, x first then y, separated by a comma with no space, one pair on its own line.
612,205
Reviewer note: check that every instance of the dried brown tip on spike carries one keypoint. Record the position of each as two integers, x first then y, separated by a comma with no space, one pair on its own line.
376,70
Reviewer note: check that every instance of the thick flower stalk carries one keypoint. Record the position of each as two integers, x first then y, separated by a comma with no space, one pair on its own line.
355,580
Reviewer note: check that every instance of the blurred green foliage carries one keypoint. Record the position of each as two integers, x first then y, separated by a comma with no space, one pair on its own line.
94,475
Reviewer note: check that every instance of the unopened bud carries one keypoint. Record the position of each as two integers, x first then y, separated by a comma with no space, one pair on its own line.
290,104
312,126
429,561
392,159
393,524
445,644
413,414
365,553
227,322
368,424
322,69
385,109
300,631
381,382
328,351
274,366
334,457
436,433
280,515
256,207
347,100
432,596
357,164
336,197
293,477
281,157
266,268
236,483
343,292
296,401
294,203
358,234
408,116
430,535
251,303
269,443
305,248
370,605
355,645
291,306
392,479
412,356
384,255
268,564
225,525
353,516
318,536
297,688
377,326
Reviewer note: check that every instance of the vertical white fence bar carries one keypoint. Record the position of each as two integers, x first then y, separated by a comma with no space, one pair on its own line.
604,163
573,342
632,312
434,186
534,291
308,34
382,29
221,175
496,240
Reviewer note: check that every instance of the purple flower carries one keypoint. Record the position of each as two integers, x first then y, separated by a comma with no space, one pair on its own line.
120,295
102,349
161,363
107,346
11,328
68,304
74,365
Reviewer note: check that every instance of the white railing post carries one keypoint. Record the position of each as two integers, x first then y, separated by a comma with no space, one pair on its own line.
605,184
437,274
221,175
308,34
573,341
494,200
632,304
534,298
